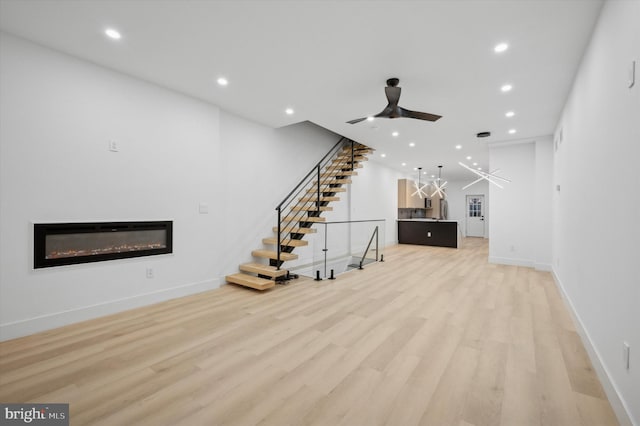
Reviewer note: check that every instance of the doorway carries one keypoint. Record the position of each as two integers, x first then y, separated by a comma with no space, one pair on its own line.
475,216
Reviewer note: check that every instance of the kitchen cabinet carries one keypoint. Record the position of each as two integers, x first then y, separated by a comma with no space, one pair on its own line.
406,187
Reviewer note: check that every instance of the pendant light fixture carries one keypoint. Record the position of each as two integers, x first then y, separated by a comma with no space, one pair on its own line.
419,187
489,177
438,185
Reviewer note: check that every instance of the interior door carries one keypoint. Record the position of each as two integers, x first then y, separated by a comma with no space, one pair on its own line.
475,216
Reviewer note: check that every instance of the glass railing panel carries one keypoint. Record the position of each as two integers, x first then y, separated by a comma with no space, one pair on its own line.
339,247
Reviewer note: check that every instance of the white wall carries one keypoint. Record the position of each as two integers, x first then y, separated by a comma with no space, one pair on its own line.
521,211
374,195
57,114
596,256
512,211
56,117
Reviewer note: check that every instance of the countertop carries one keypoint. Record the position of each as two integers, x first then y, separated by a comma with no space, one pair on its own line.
424,220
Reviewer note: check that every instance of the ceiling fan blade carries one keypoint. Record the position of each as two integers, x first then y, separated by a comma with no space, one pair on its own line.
357,120
393,95
419,115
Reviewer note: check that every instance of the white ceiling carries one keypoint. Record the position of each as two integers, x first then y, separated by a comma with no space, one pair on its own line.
329,60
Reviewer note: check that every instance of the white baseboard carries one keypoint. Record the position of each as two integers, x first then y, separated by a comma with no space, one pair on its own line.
511,261
542,267
30,326
615,399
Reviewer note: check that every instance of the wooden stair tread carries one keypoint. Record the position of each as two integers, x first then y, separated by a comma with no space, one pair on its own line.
322,199
303,219
311,208
325,189
250,281
339,173
331,181
285,242
295,230
348,166
262,269
271,254
344,158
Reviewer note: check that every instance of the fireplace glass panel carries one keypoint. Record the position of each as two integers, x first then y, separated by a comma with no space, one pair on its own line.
96,243
70,243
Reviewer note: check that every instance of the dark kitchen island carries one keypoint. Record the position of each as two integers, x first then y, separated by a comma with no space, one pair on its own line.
428,232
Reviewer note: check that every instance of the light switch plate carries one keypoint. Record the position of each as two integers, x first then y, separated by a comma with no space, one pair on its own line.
203,208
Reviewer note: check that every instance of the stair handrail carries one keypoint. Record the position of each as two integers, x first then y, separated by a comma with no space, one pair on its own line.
287,199
313,169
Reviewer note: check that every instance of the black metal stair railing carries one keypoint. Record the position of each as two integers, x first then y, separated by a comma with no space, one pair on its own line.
322,186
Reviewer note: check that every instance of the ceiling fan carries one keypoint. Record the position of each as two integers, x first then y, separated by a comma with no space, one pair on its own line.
393,110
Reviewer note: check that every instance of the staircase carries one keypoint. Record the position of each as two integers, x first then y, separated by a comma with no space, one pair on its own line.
299,211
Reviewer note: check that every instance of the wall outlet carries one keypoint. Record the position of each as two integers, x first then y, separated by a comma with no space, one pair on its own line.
113,146
625,355
150,273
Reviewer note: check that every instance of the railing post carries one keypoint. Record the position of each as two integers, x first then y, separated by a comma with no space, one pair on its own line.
279,239
376,243
351,155
318,202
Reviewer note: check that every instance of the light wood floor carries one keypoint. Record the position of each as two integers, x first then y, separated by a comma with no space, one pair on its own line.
433,336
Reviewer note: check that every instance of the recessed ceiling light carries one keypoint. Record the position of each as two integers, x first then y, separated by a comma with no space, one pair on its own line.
412,144
479,168
404,164
509,114
114,34
475,164
369,118
506,87
383,155
424,173
458,146
433,176
512,131
415,168
289,111
468,157
395,134
223,81
501,47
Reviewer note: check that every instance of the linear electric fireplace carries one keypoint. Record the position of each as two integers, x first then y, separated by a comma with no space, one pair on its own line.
57,244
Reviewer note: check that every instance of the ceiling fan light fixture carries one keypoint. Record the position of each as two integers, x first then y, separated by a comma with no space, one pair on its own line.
222,81
289,111
393,110
509,114
506,87
370,118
